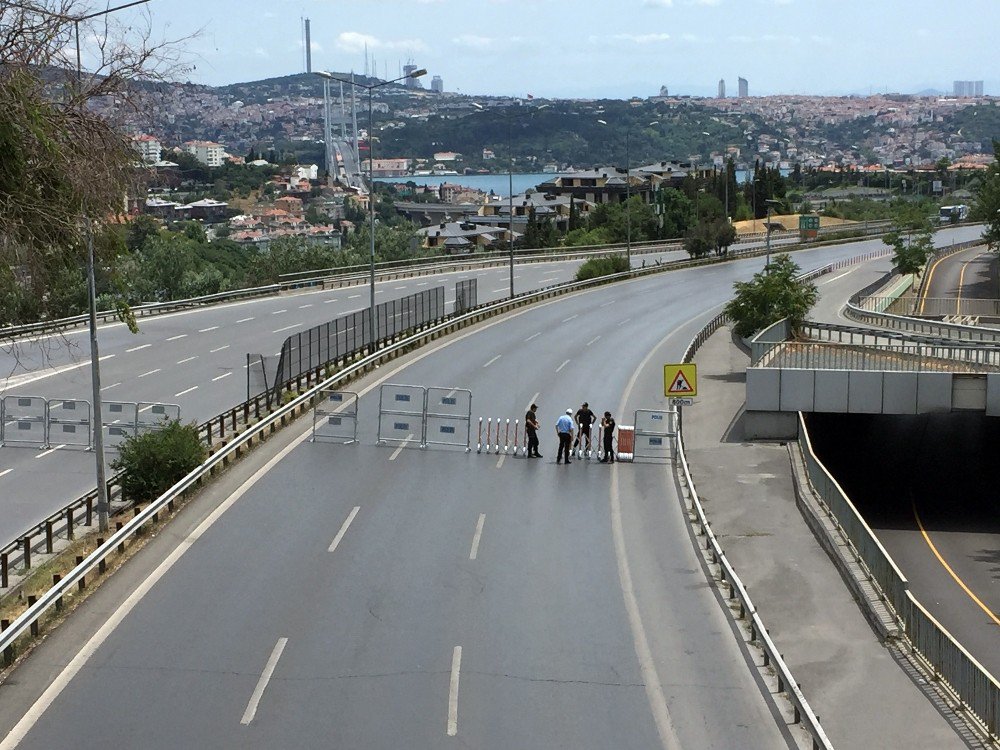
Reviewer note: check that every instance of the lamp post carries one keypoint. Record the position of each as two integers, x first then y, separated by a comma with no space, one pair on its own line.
770,202
628,196
103,507
510,191
370,87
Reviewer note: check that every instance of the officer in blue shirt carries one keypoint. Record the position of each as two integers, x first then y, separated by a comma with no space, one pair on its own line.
564,429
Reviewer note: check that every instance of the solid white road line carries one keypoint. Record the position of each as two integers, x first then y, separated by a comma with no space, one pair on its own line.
395,453
594,340
287,328
182,361
206,330
571,317
474,552
137,348
562,365
225,375
109,387
533,336
213,351
5,472
456,668
174,338
192,388
79,661
343,529
50,450
244,320
493,360
265,677
647,664
151,372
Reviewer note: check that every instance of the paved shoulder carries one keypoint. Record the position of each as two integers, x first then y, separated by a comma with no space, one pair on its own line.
747,489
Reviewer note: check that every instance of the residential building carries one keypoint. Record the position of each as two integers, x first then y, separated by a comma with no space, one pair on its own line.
464,236
390,167
149,147
722,88
207,152
437,85
411,83
968,88
744,88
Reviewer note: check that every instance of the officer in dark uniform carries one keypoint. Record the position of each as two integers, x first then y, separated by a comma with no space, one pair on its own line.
531,429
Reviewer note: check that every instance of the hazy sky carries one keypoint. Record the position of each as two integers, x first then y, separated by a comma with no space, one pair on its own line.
604,48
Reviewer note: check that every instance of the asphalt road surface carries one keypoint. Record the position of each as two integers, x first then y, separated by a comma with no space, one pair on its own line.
197,359
387,597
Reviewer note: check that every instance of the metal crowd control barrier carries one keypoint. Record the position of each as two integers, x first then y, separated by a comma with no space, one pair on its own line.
447,416
118,420
655,433
23,420
401,410
69,423
335,417
155,416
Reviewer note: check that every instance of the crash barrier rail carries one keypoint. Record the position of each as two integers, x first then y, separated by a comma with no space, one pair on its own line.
246,423
786,682
938,307
815,355
655,433
951,664
399,269
841,334
336,416
42,422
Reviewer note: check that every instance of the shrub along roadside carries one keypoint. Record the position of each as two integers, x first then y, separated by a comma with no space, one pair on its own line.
154,461
603,266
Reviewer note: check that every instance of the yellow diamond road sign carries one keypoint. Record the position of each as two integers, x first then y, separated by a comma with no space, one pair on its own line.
680,380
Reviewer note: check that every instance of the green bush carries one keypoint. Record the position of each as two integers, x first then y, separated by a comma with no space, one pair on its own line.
155,461
772,294
603,266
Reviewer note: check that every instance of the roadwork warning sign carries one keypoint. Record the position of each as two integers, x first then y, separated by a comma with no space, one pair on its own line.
680,380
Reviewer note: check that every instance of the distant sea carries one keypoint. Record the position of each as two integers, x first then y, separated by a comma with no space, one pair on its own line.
498,182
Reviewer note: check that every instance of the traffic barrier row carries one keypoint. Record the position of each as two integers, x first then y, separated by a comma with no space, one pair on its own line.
500,439
435,415
38,421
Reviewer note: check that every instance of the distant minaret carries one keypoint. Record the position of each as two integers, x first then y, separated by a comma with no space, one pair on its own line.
309,59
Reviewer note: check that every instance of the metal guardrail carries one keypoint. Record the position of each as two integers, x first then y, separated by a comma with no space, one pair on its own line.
389,271
815,355
975,688
266,407
787,683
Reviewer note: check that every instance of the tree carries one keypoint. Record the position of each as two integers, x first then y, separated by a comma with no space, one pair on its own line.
700,240
773,294
64,166
676,212
987,208
140,229
725,235
910,238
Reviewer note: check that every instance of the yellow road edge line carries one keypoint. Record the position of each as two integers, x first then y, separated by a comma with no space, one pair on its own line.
927,286
951,572
961,282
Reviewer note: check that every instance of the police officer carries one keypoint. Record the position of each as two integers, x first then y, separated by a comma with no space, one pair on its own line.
564,429
608,431
531,429
585,418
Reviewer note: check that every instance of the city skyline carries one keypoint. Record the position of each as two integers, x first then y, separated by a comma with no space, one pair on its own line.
508,47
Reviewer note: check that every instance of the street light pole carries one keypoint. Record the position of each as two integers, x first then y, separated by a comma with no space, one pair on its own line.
371,182
770,202
103,505
510,202
628,206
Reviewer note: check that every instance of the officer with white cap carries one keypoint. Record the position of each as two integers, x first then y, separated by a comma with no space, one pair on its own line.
564,430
